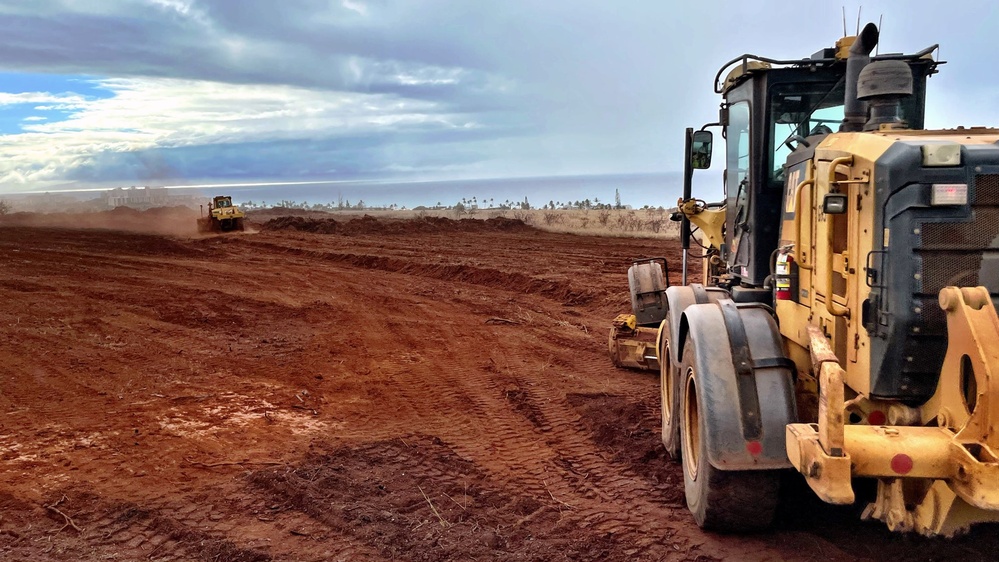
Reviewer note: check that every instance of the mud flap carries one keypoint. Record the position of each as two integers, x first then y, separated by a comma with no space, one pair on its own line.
647,281
746,386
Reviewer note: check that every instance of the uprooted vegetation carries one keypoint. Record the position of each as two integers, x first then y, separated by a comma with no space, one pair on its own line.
371,225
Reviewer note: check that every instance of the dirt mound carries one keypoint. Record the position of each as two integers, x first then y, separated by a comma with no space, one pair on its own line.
264,214
368,225
176,221
563,290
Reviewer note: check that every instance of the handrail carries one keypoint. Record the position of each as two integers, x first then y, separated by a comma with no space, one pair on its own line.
802,263
833,308
745,59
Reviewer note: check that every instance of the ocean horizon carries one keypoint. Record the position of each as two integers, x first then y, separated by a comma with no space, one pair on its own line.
636,190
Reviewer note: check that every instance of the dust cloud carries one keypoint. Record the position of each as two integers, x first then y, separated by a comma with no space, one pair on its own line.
172,221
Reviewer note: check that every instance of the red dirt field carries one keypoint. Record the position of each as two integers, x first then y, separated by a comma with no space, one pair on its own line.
420,390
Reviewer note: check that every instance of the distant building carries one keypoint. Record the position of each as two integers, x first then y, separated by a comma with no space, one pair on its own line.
136,197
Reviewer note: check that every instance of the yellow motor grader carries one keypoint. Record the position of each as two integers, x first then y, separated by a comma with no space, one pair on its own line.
846,324
223,216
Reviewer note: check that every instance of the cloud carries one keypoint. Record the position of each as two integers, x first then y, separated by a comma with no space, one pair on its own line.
61,101
365,87
354,6
159,114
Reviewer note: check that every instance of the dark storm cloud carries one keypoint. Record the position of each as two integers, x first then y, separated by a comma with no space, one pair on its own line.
249,42
367,156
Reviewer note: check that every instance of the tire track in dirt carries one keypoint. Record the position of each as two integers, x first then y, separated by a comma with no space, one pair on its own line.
512,440
509,435
98,529
416,499
528,448
606,493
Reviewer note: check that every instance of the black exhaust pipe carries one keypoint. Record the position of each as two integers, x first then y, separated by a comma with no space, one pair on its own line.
854,110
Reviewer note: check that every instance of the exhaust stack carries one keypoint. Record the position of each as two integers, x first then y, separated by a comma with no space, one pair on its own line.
855,110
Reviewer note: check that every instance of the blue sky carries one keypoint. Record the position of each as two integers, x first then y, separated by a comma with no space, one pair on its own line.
98,93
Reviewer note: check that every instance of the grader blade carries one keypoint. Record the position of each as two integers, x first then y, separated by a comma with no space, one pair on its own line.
633,346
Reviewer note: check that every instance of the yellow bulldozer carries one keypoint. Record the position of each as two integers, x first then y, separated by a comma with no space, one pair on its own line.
845,326
222,216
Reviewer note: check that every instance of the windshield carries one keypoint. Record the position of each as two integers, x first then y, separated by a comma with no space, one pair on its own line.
813,108
802,110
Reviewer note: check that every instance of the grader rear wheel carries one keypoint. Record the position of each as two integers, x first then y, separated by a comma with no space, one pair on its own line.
720,500
669,398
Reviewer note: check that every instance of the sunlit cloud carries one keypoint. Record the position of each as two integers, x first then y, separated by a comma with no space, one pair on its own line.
182,8
161,113
60,101
355,6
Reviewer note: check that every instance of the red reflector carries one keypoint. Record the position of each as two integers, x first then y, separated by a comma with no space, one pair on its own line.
901,463
754,448
877,417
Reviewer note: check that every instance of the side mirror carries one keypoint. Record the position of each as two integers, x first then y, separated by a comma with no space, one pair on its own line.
700,150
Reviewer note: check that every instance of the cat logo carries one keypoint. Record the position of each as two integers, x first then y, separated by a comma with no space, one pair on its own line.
793,179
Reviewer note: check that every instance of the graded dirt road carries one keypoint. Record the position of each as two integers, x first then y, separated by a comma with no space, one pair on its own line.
424,390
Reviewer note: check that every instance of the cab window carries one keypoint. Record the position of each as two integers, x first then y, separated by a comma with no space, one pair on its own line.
737,156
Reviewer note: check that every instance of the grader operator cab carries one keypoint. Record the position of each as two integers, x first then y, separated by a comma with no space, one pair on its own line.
222,216
846,325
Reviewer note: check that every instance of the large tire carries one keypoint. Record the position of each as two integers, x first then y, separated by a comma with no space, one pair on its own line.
669,398
720,500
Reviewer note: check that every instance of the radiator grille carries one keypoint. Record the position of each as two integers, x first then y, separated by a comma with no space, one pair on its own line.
987,189
953,253
963,251
978,234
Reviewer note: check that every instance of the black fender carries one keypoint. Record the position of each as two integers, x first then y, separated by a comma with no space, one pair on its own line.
745,386
678,298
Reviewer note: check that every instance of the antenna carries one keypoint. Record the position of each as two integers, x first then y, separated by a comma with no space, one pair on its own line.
859,11
877,49
844,21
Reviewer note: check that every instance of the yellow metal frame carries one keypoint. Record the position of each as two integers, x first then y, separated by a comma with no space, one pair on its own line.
710,221
932,479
